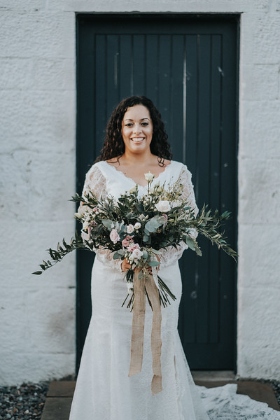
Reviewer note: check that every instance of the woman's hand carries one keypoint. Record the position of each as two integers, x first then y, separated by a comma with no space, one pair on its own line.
125,266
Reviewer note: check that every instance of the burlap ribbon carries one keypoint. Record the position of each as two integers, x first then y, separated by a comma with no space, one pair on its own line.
146,284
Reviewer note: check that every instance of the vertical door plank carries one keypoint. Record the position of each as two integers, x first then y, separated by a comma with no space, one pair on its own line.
228,178
112,72
100,93
176,80
152,69
188,307
203,149
215,192
125,58
138,64
164,56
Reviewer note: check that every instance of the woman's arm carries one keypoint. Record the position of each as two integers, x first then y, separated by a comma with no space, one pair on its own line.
95,183
172,254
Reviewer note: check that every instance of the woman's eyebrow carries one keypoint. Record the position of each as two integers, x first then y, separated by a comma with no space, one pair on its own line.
141,119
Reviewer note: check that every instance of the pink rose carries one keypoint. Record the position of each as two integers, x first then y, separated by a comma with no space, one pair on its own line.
126,241
133,246
114,236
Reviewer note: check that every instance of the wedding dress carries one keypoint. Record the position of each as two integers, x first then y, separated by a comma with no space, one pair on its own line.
104,391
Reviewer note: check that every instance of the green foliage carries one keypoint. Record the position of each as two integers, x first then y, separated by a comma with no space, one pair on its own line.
157,230
60,252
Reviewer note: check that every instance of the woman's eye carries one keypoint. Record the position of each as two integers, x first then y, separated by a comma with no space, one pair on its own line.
144,124
128,125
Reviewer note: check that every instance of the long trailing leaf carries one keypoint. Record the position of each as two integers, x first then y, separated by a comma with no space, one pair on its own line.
208,225
60,253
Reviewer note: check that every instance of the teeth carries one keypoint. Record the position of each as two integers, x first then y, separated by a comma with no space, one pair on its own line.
137,139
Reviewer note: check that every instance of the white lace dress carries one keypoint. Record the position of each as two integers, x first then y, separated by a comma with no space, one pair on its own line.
104,391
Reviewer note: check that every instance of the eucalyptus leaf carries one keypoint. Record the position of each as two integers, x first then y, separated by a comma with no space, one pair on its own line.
153,263
190,242
107,223
146,238
154,223
118,254
145,254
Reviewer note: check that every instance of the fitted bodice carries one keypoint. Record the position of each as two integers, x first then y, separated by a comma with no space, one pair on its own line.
117,182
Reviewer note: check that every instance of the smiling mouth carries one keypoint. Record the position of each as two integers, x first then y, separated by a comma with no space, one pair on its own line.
137,139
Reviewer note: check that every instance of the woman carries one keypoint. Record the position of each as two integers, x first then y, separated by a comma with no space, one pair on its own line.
135,143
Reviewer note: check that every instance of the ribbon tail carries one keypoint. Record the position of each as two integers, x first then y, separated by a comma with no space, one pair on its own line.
156,342
155,276
138,321
156,386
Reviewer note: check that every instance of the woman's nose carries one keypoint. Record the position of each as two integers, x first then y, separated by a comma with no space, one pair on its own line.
137,128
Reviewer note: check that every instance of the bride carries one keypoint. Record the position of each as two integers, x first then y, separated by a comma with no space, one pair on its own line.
135,144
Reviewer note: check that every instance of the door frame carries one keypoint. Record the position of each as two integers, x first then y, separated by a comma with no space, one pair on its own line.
81,167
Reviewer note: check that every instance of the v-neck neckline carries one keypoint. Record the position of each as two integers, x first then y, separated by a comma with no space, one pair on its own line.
131,179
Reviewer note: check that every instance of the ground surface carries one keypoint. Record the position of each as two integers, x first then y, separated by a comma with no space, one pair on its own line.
26,402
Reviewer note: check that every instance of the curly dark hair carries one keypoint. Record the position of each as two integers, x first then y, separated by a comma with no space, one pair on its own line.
113,144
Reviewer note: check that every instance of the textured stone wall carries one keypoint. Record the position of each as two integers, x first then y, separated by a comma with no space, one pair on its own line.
259,194
37,154
37,159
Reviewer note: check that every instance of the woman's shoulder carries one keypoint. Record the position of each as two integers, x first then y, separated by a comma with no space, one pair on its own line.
96,171
178,165
181,170
96,166
175,163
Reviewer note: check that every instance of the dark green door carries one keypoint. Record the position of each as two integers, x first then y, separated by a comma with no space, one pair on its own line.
188,67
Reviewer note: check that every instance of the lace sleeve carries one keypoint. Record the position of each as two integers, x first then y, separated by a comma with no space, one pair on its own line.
95,183
172,254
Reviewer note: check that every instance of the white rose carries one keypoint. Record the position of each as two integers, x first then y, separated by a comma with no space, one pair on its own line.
85,225
133,190
149,176
176,203
137,225
163,206
130,229
81,212
136,255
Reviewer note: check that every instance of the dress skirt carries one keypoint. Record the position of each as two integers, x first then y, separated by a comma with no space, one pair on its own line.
104,391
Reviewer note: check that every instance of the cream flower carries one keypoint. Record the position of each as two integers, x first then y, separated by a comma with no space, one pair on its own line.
130,229
137,225
133,190
163,206
81,211
149,176
85,225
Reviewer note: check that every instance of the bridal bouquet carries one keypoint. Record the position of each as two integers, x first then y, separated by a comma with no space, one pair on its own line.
137,228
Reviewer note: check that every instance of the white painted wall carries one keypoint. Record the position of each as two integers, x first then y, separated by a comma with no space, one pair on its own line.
37,154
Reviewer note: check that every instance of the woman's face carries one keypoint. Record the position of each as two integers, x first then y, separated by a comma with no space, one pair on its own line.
137,129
